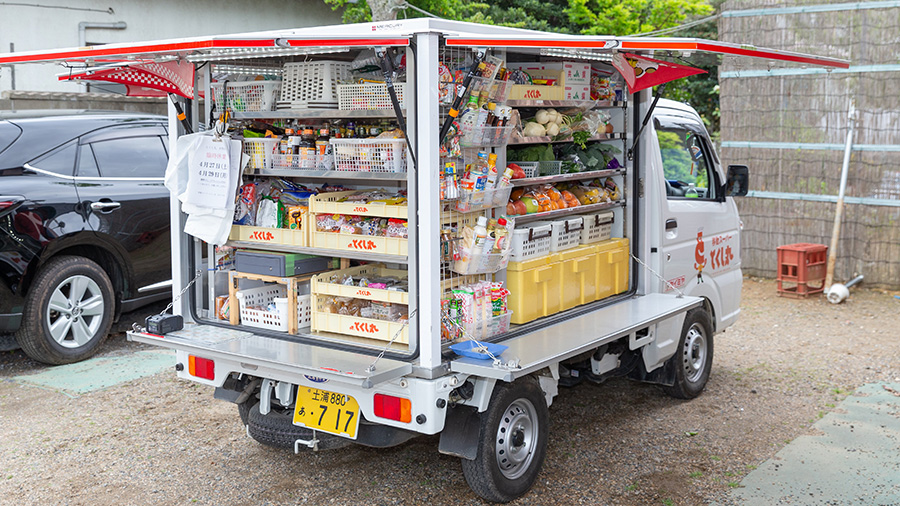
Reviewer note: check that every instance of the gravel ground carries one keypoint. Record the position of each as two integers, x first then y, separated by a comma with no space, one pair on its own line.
160,440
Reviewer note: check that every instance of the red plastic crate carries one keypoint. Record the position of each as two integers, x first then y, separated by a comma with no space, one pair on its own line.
801,269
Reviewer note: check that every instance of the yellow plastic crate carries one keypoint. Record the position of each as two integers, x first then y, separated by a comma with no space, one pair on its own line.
578,283
320,284
327,203
365,243
264,235
534,287
371,328
612,267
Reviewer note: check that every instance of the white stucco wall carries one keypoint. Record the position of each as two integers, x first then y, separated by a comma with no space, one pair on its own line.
31,28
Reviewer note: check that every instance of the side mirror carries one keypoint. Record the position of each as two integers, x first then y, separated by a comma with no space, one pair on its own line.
737,181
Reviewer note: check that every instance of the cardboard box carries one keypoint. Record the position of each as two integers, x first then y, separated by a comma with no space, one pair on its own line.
572,82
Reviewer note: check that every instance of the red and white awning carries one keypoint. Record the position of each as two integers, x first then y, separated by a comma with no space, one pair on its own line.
144,79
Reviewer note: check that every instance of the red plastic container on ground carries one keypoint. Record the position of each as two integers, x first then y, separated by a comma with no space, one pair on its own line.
801,269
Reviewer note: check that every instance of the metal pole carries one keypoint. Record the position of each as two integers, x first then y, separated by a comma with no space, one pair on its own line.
12,68
839,211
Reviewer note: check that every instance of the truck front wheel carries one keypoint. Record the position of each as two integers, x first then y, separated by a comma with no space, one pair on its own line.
512,442
693,360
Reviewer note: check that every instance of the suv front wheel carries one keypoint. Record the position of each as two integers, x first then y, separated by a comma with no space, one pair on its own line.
68,311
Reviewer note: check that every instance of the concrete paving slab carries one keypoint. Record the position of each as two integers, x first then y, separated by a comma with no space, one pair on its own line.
100,372
855,461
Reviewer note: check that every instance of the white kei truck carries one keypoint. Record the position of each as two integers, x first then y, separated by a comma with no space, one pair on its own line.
644,302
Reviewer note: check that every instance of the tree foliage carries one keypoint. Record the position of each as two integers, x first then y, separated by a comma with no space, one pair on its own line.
585,17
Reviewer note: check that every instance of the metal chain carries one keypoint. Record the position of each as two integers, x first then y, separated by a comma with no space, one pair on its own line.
481,348
177,297
371,367
664,280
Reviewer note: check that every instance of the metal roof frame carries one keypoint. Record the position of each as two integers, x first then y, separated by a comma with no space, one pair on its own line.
396,33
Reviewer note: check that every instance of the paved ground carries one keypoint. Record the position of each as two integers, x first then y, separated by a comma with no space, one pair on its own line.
854,459
131,437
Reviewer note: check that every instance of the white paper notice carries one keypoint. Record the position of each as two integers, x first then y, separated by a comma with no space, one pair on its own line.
209,167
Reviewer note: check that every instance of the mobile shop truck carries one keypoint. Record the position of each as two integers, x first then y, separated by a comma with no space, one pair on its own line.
437,291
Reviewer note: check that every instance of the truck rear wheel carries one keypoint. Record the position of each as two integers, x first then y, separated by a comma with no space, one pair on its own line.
693,360
512,442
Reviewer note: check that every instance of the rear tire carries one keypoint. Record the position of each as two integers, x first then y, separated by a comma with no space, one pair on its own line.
512,442
68,311
693,360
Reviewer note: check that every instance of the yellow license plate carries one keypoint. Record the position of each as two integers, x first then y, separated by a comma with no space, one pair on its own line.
327,411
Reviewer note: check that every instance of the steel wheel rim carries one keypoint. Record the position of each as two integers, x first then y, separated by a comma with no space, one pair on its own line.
516,439
75,311
694,353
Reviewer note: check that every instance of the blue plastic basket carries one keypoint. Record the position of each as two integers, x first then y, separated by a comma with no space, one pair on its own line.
470,349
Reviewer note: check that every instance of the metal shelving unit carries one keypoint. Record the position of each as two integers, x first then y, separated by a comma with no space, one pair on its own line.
317,114
560,213
575,176
581,104
322,252
545,139
331,174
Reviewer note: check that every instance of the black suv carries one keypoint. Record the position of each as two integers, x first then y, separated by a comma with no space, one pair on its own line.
84,226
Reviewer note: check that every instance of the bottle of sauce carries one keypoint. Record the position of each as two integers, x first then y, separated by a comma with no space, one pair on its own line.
307,150
323,149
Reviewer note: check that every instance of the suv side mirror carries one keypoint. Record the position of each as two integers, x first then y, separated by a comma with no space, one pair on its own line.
737,181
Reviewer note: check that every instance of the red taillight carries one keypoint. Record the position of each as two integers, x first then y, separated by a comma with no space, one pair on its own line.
393,408
201,367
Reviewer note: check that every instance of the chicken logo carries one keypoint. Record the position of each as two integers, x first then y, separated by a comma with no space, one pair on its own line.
642,67
699,258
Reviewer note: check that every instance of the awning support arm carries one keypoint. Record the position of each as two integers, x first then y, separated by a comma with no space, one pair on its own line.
387,68
460,93
662,89
182,117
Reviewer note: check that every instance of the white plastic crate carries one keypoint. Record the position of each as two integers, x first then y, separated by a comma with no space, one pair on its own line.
531,241
262,152
530,168
313,83
370,155
369,96
247,96
566,233
272,320
597,227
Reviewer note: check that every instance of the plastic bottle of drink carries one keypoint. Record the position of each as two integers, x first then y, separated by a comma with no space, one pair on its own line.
480,234
691,192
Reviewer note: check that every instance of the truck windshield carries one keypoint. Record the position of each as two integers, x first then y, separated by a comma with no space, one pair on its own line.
686,165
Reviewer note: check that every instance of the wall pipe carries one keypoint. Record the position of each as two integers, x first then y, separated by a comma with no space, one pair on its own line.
82,33
84,25
839,212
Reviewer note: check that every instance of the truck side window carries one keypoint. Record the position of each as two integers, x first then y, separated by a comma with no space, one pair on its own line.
686,166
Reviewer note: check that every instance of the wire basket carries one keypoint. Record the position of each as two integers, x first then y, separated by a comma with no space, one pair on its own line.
369,96
312,83
370,155
486,199
490,90
476,262
247,96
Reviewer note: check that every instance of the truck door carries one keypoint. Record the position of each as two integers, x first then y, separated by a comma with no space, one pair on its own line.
701,241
